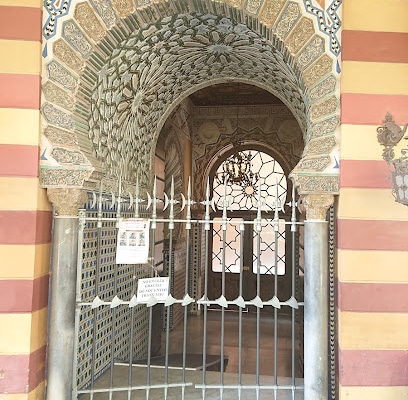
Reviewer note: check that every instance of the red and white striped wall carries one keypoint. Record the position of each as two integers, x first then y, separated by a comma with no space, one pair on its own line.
372,227
25,213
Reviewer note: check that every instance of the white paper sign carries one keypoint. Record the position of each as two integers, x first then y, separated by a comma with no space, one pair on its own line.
152,287
133,241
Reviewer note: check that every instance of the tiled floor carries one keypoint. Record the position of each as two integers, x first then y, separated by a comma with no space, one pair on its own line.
266,340
120,375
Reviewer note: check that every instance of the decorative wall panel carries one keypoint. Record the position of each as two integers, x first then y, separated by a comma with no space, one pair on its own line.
101,277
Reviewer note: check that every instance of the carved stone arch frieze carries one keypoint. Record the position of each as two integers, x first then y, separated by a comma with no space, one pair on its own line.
113,70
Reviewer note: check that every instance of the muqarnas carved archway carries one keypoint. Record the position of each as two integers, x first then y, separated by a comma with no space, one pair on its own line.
113,73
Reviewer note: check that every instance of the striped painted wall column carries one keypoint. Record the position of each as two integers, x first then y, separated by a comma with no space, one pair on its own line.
25,213
372,227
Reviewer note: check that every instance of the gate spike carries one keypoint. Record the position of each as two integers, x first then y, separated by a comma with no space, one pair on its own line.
166,201
154,197
118,209
240,302
154,201
257,302
97,302
222,301
293,219
130,201
213,204
133,302
169,301
113,200
276,215
149,200
259,212
116,301
292,302
172,201
152,301
100,199
224,207
187,300
137,199
207,203
274,302
93,200
189,203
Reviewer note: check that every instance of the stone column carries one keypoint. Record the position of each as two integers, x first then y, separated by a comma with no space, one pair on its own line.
61,350
316,297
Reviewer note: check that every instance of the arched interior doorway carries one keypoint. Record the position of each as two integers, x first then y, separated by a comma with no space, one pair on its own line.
114,73
263,126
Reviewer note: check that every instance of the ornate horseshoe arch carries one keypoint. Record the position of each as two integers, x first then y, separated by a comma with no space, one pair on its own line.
114,70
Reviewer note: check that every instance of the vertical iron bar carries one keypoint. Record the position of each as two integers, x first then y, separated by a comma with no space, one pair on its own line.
115,287
132,329
171,229
132,311
153,226
97,271
188,231
224,239
207,227
275,317
293,254
258,229
241,252
81,215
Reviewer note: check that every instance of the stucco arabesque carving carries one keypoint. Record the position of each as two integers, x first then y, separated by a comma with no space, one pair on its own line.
316,205
135,104
67,201
315,67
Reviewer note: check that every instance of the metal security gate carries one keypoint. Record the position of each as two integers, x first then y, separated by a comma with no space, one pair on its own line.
124,347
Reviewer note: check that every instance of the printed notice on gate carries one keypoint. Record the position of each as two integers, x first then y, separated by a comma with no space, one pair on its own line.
152,287
133,241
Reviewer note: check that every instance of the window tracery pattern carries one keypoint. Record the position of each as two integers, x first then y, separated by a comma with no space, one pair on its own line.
272,181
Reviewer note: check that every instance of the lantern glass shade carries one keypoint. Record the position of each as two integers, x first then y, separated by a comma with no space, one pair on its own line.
400,181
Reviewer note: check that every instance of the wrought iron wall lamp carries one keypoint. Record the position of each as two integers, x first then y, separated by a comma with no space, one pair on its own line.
390,135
